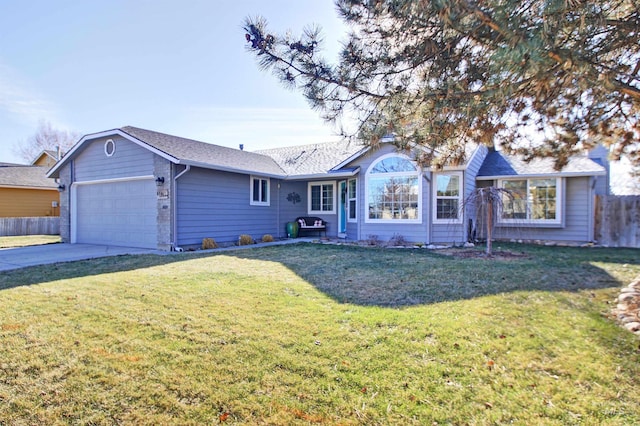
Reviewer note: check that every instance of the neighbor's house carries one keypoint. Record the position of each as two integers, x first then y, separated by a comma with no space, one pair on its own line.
47,158
25,191
134,187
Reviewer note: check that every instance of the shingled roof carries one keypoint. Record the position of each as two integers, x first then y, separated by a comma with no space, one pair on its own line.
498,164
189,151
314,159
25,177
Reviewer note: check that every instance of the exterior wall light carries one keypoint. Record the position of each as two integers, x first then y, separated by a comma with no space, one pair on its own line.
159,181
61,187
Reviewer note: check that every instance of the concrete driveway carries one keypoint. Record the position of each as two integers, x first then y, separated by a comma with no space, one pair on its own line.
19,257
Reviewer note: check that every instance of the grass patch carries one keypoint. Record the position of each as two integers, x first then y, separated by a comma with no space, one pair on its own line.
309,333
28,240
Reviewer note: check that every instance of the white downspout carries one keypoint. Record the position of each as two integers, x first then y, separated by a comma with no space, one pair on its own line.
174,205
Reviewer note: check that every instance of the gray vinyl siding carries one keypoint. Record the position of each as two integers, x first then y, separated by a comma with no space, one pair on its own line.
352,231
128,160
214,204
470,185
601,156
447,234
457,233
290,210
576,226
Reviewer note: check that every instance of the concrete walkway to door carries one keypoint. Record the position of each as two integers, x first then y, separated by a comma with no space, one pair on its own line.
19,257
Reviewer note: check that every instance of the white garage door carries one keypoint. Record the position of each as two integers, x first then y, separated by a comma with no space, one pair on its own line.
119,213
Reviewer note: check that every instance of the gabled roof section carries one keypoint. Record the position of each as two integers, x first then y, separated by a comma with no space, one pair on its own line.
497,165
202,154
185,151
31,177
313,159
47,156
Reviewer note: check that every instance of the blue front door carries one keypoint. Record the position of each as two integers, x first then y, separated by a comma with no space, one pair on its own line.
342,210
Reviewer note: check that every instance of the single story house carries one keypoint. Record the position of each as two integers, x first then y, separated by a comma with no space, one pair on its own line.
25,191
140,188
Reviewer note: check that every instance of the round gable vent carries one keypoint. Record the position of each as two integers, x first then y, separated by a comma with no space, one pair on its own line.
109,147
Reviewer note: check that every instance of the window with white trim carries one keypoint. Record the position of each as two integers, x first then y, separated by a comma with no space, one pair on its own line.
352,185
447,206
532,201
259,191
393,188
322,197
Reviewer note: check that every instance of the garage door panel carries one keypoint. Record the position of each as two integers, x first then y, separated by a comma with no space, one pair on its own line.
119,213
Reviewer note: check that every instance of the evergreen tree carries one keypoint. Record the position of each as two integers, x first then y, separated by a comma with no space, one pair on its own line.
543,78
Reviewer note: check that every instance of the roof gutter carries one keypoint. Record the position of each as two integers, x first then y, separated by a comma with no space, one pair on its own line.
230,169
348,173
542,175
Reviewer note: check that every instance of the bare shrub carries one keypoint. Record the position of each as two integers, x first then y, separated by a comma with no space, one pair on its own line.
245,240
373,240
397,240
209,243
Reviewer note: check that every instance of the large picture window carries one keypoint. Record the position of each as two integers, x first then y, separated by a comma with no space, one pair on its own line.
259,191
448,197
393,190
531,200
322,197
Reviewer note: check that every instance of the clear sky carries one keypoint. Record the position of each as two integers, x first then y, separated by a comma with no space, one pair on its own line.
177,67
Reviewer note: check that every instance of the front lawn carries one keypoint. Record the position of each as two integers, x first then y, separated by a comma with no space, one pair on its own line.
309,333
28,240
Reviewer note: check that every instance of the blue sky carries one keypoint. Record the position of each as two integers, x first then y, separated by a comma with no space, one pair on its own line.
178,67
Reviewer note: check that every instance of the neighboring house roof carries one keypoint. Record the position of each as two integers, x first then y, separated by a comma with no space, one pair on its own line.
11,165
46,157
314,159
26,177
498,164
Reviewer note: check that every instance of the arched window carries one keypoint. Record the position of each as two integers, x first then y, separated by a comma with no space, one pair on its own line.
393,190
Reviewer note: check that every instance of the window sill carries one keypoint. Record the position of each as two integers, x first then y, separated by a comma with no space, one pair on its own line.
525,224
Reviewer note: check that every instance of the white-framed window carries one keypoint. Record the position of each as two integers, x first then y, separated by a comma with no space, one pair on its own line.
352,207
322,197
109,148
393,187
532,201
447,191
260,191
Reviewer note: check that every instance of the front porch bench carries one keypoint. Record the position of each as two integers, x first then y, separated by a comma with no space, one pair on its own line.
309,224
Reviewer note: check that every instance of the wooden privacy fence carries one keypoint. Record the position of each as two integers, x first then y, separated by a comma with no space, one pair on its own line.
11,226
617,220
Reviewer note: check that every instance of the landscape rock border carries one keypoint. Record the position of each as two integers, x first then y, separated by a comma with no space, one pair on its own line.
627,308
